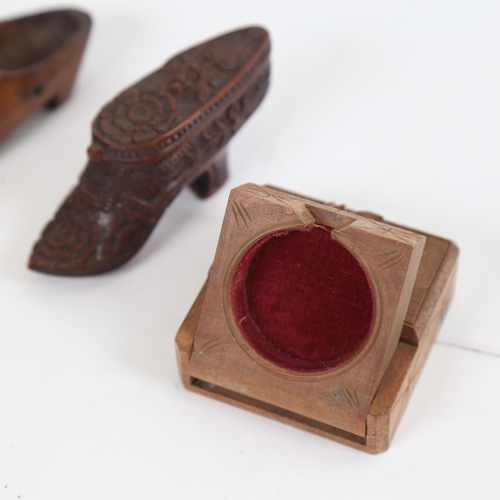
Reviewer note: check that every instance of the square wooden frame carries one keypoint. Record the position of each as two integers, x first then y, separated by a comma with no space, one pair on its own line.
429,291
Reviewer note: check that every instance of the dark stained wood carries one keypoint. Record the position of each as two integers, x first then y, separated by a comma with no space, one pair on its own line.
365,419
39,59
167,131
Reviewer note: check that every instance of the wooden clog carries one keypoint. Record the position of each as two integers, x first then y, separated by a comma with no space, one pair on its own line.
39,59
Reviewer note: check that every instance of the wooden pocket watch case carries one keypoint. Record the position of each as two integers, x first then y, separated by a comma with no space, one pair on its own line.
316,316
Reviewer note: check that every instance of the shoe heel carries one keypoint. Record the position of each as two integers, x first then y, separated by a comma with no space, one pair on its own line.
64,86
213,176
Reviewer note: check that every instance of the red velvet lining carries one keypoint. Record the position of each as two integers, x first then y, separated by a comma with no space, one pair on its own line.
302,300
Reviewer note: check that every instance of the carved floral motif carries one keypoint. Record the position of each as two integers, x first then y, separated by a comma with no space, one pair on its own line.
177,91
138,116
70,237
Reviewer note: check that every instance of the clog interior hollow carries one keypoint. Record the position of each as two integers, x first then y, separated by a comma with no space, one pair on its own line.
26,41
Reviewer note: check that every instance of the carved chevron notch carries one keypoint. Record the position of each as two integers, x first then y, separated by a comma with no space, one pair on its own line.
336,220
241,214
389,259
209,346
342,225
290,200
351,398
401,235
269,192
397,233
261,191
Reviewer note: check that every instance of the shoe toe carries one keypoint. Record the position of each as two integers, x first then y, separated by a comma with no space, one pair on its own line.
69,243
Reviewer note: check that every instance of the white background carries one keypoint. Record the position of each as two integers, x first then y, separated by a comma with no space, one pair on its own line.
389,106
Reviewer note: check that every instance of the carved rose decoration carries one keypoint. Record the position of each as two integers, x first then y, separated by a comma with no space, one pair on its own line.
70,237
199,77
137,116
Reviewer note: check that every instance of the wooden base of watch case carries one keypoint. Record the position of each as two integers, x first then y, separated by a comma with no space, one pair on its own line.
431,292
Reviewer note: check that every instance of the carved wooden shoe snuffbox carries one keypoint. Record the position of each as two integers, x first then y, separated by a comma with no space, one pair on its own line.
167,131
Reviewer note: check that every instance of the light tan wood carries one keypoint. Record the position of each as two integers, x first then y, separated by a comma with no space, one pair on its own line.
211,361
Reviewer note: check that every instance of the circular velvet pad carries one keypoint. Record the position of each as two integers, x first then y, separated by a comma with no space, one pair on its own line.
302,300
